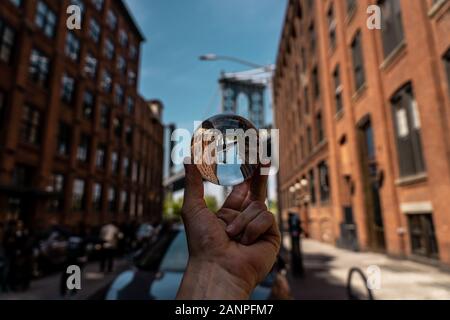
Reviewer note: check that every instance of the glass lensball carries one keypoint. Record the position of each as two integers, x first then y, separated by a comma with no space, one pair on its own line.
225,149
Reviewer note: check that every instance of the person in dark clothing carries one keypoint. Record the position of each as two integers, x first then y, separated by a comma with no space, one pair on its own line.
109,234
295,231
18,251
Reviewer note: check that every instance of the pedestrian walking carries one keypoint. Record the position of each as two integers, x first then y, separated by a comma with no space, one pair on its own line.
295,231
109,234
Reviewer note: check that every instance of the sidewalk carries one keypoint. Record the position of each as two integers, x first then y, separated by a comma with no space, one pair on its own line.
47,288
327,267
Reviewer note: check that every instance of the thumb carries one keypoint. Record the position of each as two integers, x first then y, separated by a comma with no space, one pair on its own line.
193,190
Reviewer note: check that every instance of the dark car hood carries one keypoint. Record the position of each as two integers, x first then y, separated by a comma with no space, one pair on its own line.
135,284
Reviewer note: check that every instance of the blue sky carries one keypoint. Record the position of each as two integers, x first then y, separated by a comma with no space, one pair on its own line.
178,31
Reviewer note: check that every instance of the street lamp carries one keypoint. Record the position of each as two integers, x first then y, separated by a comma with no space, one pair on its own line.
215,57
304,183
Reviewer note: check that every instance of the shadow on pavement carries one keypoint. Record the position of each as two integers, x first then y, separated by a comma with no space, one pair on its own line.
318,283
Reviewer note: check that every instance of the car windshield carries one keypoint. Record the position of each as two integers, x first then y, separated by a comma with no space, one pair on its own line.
177,255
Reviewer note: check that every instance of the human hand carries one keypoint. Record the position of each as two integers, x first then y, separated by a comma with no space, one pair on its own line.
232,251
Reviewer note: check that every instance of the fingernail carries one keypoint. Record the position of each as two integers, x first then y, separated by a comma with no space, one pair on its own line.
187,160
230,228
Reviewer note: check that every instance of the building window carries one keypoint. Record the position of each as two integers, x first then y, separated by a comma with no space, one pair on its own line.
98,4
121,64
45,19
324,182
109,49
97,197
114,163
129,135
118,127
132,204
111,20
83,148
64,138
312,38
57,187
316,85
135,171
447,69
407,127
423,235
133,51
302,148
331,27
106,81
72,46
123,38
88,104
130,105
78,195
39,67
124,201
90,68
312,187
306,99
131,78
104,116
68,88
100,158
358,62
7,36
94,30
31,125
119,95
112,199
309,139
337,89
319,128
127,167
351,6
392,27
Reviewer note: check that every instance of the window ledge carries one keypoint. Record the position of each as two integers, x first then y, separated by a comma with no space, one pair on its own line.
436,8
409,180
394,56
359,93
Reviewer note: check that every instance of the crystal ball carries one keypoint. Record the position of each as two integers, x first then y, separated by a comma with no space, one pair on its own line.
225,149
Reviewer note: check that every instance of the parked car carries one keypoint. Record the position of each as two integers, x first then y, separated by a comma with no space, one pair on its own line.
158,271
50,252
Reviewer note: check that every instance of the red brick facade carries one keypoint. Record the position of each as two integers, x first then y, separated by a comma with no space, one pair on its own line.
387,148
62,139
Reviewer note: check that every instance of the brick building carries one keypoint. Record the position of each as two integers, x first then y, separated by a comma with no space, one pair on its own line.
364,119
77,141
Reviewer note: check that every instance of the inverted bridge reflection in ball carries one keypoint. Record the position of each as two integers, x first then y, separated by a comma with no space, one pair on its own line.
225,149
